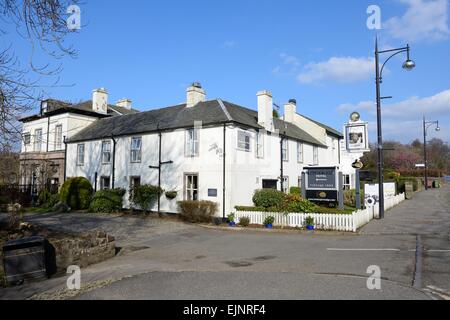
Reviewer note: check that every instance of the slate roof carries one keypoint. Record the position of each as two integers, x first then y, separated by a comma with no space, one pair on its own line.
57,107
213,112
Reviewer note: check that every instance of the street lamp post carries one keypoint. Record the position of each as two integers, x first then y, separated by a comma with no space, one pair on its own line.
426,126
408,65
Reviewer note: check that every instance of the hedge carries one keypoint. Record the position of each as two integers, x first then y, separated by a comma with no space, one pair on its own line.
77,193
107,201
268,198
197,211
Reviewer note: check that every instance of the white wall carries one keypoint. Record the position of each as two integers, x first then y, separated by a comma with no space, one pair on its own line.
71,125
244,171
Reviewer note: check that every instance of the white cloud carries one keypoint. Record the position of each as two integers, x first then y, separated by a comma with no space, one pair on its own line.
423,20
229,44
338,69
361,106
289,65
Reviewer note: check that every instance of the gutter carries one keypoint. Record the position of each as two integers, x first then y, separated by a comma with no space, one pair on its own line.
224,169
65,160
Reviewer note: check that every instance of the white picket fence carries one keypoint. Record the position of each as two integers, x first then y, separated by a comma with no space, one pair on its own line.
335,222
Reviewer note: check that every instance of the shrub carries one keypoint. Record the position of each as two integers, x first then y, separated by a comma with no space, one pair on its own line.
250,209
145,196
77,193
309,221
197,211
107,201
231,217
52,201
401,183
4,200
296,204
268,198
296,190
244,222
43,197
269,220
350,198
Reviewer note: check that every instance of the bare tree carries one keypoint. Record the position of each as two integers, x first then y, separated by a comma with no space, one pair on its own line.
43,24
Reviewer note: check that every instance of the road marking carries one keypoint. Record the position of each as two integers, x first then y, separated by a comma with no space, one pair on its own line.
343,249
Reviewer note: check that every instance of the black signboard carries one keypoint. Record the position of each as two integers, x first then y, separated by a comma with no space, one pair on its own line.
325,196
321,179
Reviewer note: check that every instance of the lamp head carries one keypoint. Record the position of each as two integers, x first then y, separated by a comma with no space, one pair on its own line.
438,128
409,65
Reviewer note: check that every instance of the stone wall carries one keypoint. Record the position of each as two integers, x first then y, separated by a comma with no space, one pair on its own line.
86,250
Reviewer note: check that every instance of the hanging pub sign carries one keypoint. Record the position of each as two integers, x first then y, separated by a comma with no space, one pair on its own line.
357,135
322,184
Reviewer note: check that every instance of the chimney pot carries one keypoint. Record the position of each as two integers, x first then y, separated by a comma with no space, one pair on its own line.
195,95
124,103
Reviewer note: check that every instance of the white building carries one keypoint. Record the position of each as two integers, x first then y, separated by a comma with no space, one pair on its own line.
210,149
42,156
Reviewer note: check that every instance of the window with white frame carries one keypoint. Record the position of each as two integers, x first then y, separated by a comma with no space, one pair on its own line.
136,150
105,183
26,139
38,140
316,155
285,149
299,152
191,187
192,143
347,184
244,139
80,155
106,152
286,185
260,145
58,137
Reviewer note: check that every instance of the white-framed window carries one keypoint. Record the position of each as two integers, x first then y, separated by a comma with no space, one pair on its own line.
58,137
260,145
286,185
27,139
347,183
191,186
38,140
136,150
105,183
300,152
80,154
106,152
285,149
315,155
244,139
192,143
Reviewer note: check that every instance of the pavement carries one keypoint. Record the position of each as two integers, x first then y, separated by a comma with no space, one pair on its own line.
166,259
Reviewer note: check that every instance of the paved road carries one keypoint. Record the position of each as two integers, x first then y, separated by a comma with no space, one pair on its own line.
178,261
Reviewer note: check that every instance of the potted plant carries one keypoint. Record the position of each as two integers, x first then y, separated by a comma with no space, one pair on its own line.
171,194
268,222
231,220
309,222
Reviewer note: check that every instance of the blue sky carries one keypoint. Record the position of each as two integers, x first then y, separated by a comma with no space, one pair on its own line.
319,52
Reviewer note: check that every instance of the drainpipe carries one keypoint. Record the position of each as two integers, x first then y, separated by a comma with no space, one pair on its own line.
224,168
282,164
113,163
65,159
48,131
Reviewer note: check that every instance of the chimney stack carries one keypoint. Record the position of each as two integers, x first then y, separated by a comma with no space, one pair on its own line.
290,109
265,110
195,94
100,101
124,103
